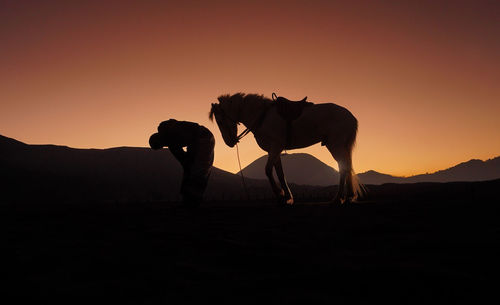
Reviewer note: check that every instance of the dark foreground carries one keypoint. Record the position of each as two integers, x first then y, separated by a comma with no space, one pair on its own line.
409,251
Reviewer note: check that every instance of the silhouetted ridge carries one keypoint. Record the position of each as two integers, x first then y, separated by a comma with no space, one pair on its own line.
114,174
305,169
6,142
472,170
374,177
61,173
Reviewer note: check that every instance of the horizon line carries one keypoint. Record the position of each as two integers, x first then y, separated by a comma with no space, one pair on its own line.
285,152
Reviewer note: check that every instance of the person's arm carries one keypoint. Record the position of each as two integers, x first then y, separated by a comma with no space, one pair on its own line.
179,154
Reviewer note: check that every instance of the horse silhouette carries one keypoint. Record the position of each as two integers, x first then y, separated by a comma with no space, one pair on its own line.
332,125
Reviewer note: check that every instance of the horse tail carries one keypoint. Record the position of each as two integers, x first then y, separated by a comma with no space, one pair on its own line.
351,137
357,187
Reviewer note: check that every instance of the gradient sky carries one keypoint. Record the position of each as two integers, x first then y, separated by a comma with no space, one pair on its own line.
422,77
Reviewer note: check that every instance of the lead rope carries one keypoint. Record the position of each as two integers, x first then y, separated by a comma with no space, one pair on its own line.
241,172
238,138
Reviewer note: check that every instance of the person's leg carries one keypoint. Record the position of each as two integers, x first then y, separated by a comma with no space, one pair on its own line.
185,186
201,167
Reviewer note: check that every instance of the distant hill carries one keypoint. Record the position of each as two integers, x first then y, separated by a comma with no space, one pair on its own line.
61,173
472,170
305,169
299,168
373,177
115,174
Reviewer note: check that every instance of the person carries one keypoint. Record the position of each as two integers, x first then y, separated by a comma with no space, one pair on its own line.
196,160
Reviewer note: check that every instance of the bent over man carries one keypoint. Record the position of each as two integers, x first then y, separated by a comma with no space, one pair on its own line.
196,160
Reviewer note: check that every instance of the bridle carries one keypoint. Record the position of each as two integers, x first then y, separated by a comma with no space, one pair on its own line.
238,138
233,121
247,130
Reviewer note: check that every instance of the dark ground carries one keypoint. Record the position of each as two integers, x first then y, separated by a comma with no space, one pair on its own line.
415,251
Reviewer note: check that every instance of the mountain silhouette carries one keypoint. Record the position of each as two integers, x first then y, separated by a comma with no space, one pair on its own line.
115,174
472,170
121,174
373,177
299,168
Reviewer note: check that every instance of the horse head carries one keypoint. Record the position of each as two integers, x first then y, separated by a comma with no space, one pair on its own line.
227,125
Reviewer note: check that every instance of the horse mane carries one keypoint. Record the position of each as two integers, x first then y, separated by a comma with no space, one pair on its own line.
240,97
244,97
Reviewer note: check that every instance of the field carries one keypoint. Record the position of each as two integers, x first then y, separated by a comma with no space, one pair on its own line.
412,251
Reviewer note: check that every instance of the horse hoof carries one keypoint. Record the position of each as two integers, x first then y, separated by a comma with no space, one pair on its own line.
289,201
281,201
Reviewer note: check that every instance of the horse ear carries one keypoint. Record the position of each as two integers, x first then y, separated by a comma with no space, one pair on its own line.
212,112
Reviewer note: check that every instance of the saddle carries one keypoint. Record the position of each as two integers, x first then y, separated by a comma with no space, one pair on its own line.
290,111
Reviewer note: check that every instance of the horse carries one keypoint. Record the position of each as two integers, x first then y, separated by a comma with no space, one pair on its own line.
332,125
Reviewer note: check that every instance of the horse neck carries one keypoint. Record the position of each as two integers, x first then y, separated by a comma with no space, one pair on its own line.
250,111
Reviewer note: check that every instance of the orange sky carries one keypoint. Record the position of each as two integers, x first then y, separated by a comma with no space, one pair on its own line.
422,78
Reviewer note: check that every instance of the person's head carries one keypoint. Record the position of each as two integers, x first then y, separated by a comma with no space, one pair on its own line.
165,127
155,141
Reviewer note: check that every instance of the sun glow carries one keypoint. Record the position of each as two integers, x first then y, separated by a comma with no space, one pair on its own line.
423,85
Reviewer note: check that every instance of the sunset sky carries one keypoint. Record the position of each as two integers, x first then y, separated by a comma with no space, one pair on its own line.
422,77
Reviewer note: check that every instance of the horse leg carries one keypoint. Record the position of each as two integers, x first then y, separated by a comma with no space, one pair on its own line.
281,177
349,186
341,155
339,197
271,160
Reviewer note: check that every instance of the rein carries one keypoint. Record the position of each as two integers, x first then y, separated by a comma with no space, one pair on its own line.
254,126
247,130
241,173
242,135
